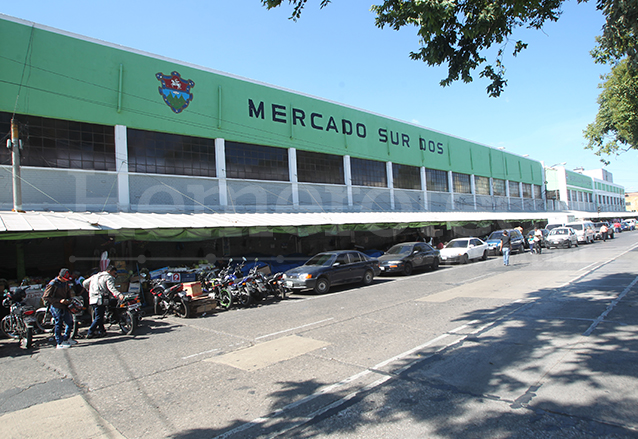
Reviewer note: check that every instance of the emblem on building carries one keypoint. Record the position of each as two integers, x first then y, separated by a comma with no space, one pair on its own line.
175,91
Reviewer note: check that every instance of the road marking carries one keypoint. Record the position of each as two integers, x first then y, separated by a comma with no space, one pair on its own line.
610,307
294,329
200,353
270,352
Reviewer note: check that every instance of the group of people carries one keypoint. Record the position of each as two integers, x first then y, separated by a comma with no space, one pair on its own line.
506,244
59,292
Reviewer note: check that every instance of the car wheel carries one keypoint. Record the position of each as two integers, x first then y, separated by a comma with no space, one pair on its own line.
484,257
368,276
435,264
464,259
322,286
407,269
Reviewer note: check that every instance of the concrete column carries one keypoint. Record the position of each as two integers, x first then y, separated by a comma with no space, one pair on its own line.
424,188
121,169
390,178
347,176
292,175
220,171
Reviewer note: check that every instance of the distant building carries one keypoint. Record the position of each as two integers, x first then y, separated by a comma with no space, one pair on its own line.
631,201
583,191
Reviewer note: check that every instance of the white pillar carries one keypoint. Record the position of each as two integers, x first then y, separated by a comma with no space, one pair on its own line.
424,188
347,175
121,169
292,175
390,178
220,171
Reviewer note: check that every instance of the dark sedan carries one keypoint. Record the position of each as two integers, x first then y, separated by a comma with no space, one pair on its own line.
332,268
404,257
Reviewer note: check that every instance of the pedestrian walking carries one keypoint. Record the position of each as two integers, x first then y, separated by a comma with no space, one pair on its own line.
530,243
101,288
505,246
538,239
604,230
58,294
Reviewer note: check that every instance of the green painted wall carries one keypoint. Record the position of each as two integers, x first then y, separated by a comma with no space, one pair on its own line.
66,77
574,179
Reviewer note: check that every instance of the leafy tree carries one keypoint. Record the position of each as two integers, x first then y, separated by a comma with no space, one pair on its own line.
616,127
460,33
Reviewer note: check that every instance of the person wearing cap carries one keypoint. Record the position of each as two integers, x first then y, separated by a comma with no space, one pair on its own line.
58,294
101,288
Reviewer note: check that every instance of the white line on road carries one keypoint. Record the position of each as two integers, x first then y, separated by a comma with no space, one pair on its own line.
294,329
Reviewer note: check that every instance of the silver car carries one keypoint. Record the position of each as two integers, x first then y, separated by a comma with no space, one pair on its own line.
562,237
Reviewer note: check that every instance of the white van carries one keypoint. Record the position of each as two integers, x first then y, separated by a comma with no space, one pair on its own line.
585,230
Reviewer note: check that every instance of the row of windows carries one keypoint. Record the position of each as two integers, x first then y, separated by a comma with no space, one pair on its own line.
75,145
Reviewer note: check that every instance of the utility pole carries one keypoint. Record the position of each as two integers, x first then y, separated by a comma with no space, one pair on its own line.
15,145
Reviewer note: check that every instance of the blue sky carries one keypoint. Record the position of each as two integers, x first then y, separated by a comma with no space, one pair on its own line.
338,54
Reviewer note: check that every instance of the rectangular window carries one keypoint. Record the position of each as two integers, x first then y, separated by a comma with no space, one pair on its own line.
499,187
163,153
436,180
406,177
315,167
527,190
368,173
537,191
256,162
514,191
461,183
56,143
482,185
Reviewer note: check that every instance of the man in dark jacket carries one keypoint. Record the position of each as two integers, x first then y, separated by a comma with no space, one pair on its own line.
57,294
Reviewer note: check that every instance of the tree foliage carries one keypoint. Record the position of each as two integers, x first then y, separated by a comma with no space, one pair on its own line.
462,34
615,129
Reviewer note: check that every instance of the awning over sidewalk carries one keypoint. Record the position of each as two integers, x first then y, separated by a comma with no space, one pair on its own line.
198,226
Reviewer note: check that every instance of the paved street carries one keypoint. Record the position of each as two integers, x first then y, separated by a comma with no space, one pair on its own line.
547,348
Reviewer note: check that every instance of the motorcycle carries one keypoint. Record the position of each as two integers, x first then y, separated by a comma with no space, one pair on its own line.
216,285
125,312
44,321
170,299
20,321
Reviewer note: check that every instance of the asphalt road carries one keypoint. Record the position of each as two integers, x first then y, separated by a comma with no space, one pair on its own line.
546,347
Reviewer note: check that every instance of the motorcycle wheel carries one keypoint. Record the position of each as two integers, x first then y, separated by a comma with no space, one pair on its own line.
44,321
182,309
7,328
157,308
225,299
128,323
244,298
26,342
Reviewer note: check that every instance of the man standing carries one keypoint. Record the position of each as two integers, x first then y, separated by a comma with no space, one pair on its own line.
505,247
57,294
538,238
101,288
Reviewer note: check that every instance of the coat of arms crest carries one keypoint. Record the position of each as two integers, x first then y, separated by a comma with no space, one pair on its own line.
175,91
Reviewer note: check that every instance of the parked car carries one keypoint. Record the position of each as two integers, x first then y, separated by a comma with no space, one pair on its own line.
462,250
626,226
405,257
549,227
517,241
584,231
562,237
544,233
326,269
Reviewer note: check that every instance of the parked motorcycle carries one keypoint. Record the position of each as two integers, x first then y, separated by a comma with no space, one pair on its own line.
216,284
20,321
170,299
125,312
44,321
